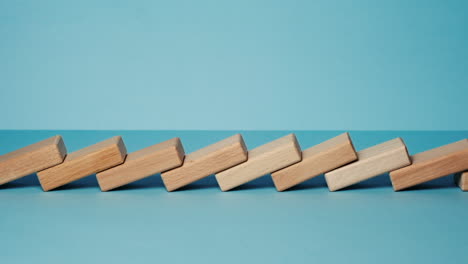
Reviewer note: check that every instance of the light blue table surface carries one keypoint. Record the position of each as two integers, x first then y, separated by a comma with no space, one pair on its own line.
143,223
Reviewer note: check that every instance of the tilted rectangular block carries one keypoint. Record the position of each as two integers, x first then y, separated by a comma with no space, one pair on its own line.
31,159
462,180
316,160
432,164
265,159
84,162
143,163
371,162
206,161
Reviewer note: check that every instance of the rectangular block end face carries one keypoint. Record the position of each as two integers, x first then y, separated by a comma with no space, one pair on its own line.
262,160
461,179
432,164
84,162
143,163
31,159
316,160
206,161
371,162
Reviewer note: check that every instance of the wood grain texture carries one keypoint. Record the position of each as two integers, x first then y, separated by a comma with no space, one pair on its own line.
143,163
371,162
432,164
206,161
461,179
31,159
316,160
84,162
262,160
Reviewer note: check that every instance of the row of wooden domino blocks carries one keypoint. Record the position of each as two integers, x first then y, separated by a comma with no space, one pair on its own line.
233,165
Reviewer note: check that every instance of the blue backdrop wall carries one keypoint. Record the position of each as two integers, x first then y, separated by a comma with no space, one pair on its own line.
353,65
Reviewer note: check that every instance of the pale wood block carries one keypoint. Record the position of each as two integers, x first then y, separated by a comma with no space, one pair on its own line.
462,180
316,160
84,162
206,161
31,159
262,160
432,164
143,163
371,162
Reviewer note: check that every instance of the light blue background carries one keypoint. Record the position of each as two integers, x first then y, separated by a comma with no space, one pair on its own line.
240,65
234,64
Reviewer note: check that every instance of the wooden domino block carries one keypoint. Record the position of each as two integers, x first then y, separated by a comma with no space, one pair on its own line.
31,159
265,159
461,179
143,163
432,164
206,161
371,162
316,160
84,162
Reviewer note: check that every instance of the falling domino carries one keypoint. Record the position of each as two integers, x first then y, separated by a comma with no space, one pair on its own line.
265,159
84,162
371,162
316,160
432,164
31,159
462,180
143,163
207,161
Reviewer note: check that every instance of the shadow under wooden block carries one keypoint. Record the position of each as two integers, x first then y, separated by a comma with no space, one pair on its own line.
31,159
432,164
206,161
316,160
208,182
316,182
371,162
23,182
143,163
152,182
262,160
84,162
373,183
260,183
461,179
88,182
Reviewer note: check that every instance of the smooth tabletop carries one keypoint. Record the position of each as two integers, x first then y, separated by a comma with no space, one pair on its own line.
143,223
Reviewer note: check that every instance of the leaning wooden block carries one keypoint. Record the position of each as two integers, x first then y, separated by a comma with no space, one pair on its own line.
462,180
31,159
84,162
432,164
265,159
371,162
143,163
316,160
207,161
